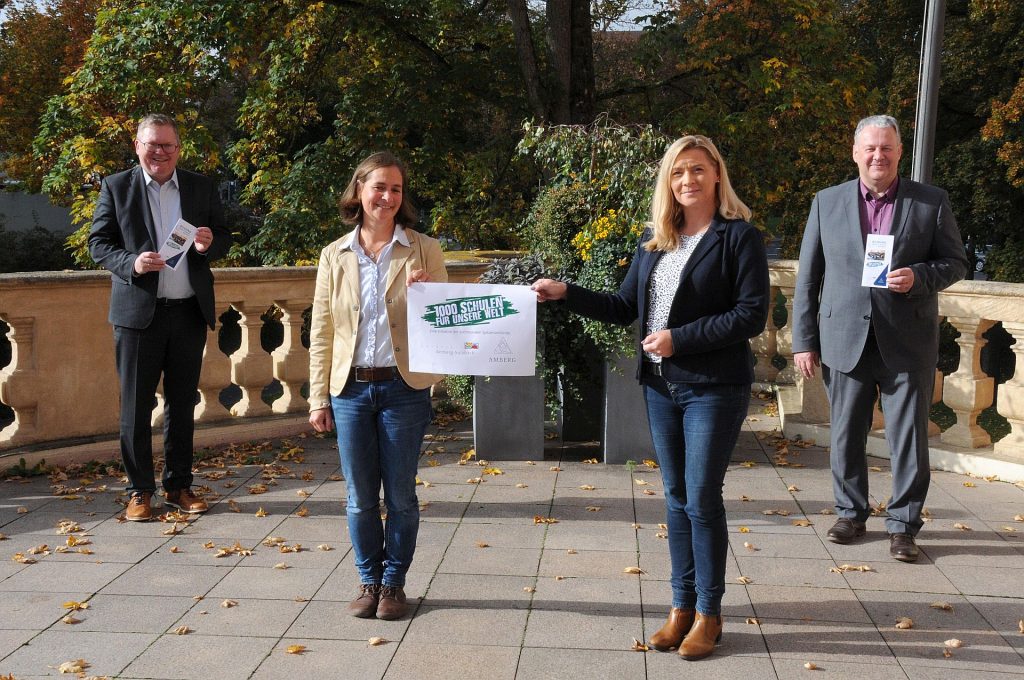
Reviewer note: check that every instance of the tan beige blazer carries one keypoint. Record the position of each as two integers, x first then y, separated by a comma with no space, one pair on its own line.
336,302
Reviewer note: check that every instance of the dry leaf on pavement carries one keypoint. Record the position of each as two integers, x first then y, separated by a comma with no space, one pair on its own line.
76,666
945,606
811,666
377,641
540,519
744,530
633,570
295,649
953,643
639,646
520,485
71,619
75,606
744,580
227,604
904,623
587,487
182,630
961,526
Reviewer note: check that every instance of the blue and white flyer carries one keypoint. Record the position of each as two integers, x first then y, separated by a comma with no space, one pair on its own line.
877,258
181,238
472,329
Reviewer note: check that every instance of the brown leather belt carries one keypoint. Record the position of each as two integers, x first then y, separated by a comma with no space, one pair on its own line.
174,302
373,373
652,367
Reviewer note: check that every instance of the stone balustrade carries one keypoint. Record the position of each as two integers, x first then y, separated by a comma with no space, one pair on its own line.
61,383
972,307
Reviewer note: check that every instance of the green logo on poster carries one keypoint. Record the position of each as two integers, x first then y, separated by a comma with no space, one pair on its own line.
468,311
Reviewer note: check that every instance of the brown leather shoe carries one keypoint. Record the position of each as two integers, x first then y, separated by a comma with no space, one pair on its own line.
392,603
138,509
845,530
184,500
671,635
702,638
365,606
903,547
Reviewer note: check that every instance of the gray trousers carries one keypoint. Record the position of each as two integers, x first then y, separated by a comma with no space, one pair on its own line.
906,398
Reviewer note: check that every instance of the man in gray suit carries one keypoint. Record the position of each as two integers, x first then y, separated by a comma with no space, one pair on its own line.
876,341
160,313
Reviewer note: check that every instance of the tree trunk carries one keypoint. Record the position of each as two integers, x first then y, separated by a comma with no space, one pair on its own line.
527,57
559,14
581,70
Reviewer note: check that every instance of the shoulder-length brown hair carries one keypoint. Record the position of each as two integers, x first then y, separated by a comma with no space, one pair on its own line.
350,206
667,215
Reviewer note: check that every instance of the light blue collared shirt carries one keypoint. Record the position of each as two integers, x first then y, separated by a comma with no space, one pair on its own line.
165,207
373,338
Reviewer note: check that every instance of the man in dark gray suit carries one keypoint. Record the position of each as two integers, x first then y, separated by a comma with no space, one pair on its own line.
876,341
160,314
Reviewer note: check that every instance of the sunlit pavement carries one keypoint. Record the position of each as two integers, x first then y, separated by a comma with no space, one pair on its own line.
544,570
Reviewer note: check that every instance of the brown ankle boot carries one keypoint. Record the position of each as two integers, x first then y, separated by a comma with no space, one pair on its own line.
675,629
701,640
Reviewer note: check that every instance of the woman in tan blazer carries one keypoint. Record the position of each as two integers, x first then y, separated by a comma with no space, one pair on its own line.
359,378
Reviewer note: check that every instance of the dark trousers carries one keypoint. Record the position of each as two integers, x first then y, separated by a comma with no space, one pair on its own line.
172,346
906,398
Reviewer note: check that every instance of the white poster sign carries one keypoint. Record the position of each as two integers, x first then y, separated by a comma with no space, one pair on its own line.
877,258
472,329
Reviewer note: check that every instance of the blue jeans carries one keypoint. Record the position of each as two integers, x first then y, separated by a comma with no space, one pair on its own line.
380,432
694,428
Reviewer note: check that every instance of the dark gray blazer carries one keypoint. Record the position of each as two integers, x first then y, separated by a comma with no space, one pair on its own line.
832,311
122,227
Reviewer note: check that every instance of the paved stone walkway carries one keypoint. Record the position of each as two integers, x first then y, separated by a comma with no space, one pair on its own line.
499,594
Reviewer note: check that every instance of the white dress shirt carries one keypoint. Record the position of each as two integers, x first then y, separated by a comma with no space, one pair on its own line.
165,207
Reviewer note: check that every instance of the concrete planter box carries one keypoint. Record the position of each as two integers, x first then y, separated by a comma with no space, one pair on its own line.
508,418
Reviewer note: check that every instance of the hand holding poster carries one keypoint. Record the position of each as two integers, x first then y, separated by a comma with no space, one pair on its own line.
472,329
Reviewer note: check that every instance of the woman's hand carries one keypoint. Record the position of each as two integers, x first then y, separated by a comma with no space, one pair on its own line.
417,276
321,420
548,289
659,343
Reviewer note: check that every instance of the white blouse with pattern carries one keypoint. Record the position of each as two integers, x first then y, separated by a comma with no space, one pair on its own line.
664,283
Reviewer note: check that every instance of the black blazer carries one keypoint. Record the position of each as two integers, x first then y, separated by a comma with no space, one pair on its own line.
721,302
122,227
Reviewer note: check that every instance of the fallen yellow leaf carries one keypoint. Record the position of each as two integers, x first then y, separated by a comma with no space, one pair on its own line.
946,652
258,489
953,643
295,649
792,488
76,666
744,580
302,493
540,519
753,621
261,512
842,568
639,646
590,461
233,505
474,480
324,547
661,534
801,522
571,551
811,666
633,570
280,565
748,464
175,549
529,589
648,492
493,471
39,550
745,499
1020,626
302,512
593,508
22,510
969,485
750,546
554,468
467,456
904,623
650,463
875,468
3,537
641,482
481,544
1018,518
227,604
75,606
587,487
71,619
961,526
377,641
945,606
182,630
744,530
520,485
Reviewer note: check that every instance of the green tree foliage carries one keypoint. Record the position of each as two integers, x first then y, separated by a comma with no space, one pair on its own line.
41,43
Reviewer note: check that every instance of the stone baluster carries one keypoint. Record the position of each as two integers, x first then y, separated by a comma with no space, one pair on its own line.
1010,403
251,367
291,359
969,390
19,386
216,375
784,339
765,346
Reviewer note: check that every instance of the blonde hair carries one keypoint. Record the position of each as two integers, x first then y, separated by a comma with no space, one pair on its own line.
667,215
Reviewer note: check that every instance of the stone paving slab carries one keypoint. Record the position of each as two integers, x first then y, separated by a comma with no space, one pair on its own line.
498,593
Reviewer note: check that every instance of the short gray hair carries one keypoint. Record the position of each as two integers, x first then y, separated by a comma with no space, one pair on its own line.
881,121
157,119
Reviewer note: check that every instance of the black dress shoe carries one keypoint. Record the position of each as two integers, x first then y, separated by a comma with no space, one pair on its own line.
845,530
903,547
